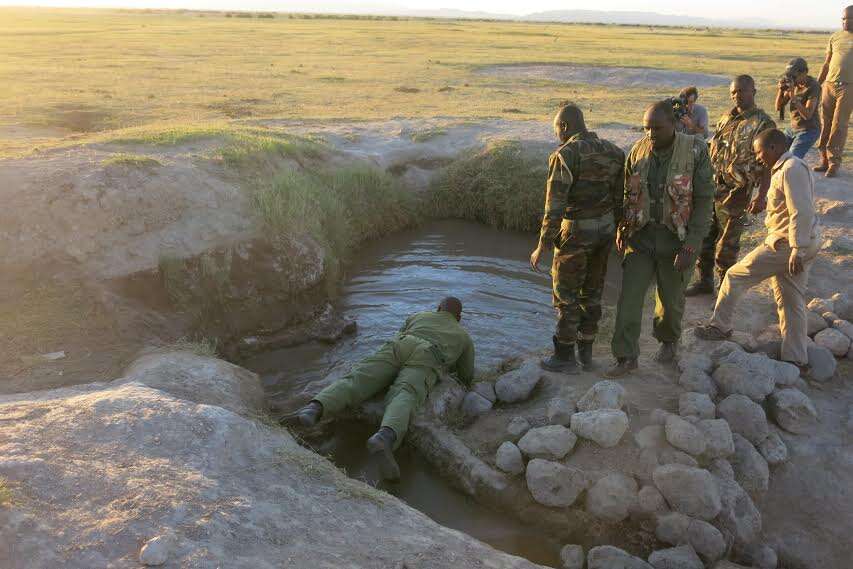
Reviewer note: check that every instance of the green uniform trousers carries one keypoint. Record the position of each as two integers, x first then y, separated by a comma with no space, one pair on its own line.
721,246
577,274
406,366
649,258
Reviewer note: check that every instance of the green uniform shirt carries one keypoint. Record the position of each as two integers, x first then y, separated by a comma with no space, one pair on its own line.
451,341
653,236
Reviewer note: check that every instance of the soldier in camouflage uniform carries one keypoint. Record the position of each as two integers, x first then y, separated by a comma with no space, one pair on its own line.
583,204
669,194
736,172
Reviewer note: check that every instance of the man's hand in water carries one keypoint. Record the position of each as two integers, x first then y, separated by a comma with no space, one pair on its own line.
535,256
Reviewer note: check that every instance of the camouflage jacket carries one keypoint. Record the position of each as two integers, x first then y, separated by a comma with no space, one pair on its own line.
687,189
584,181
734,162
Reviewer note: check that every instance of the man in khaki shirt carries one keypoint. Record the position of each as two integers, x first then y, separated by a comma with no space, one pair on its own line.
785,256
837,96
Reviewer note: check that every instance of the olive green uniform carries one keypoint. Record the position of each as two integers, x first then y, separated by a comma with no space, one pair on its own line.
651,249
736,172
408,366
583,203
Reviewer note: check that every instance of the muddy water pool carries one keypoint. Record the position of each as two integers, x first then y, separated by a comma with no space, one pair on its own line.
507,312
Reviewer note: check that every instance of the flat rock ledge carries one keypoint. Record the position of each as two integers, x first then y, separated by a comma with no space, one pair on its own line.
171,449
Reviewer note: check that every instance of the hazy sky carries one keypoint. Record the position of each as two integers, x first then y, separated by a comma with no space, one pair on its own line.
786,12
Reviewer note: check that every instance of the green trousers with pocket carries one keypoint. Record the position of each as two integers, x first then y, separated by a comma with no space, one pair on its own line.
405,366
649,259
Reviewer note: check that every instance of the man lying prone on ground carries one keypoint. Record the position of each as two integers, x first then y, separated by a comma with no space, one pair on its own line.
409,367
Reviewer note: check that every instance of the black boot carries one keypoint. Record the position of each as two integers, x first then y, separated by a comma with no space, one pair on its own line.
381,445
703,285
585,353
667,353
622,367
306,417
563,360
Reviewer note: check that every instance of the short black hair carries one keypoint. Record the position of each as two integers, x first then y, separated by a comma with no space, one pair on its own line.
572,115
451,304
773,136
688,92
664,109
745,79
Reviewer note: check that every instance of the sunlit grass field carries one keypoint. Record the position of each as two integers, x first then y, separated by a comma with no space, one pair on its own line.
84,73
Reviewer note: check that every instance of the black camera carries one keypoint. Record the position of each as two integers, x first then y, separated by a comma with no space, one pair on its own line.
786,83
679,107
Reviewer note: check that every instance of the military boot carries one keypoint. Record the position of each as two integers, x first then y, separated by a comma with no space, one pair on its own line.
667,353
585,353
381,446
306,417
824,162
703,285
622,367
563,359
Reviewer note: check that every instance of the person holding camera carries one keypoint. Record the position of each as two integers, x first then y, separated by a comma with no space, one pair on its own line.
695,122
801,92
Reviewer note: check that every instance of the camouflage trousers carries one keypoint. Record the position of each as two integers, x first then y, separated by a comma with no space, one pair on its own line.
577,274
722,245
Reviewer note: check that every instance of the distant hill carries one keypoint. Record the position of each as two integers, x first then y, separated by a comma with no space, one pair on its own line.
567,16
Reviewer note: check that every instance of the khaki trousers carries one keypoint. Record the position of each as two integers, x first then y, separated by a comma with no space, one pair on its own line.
789,291
835,105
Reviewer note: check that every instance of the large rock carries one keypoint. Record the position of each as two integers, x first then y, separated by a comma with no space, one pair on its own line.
696,404
651,436
516,428
609,557
697,380
739,519
758,555
750,468
684,435
603,395
690,360
102,468
559,411
613,497
844,326
474,405
604,426
833,340
691,491
718,438
156,550
517,385
650,501
681,557
555,485
821,305
571,557
486,389
745,417
793,411
672,528
509,459
773,449
706,540
552,442
843,305
822,363
814,323
745,377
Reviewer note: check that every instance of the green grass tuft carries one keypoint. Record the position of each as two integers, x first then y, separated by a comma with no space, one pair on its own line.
200,346
428,134
246,149
501,186
341,208
131,160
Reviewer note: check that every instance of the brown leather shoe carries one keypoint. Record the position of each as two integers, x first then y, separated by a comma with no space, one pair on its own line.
622,367
832,171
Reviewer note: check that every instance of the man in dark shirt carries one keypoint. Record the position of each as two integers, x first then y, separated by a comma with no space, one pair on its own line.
801,92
